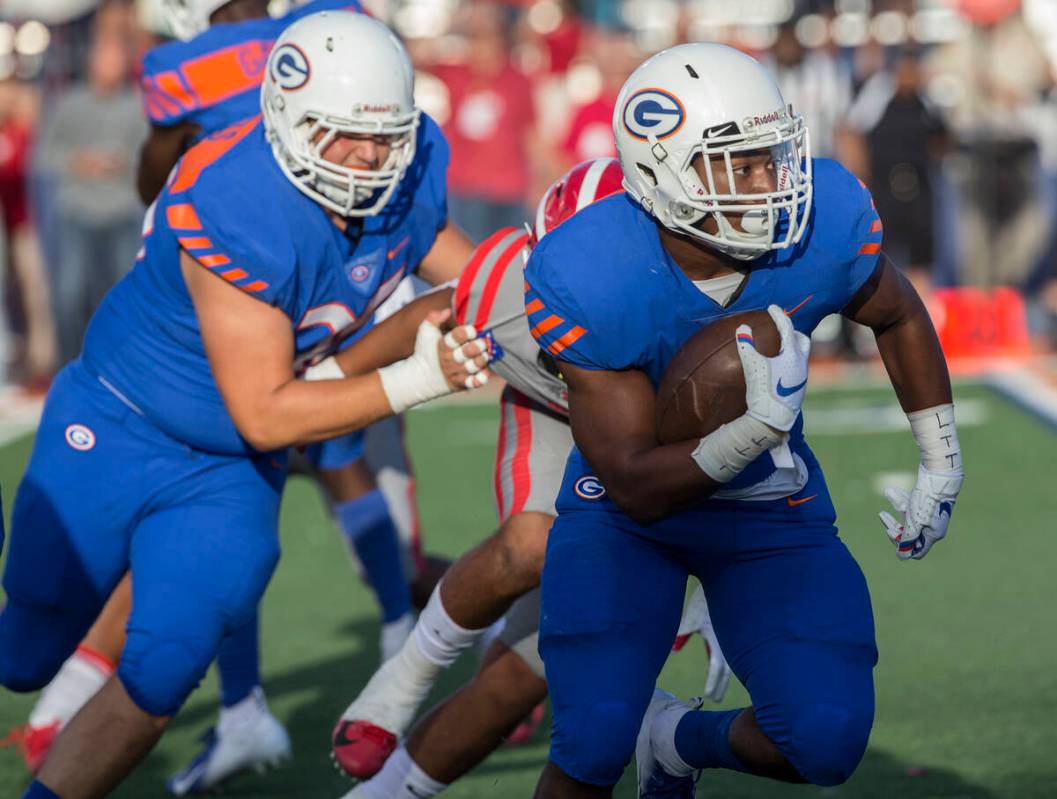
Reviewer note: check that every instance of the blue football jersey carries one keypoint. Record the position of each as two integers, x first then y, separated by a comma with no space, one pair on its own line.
214,79
229,205
602,292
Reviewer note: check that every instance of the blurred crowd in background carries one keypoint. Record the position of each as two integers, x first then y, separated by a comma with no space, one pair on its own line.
947,109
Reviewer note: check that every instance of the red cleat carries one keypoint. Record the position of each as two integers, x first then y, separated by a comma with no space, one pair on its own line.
33,743
360,748
526,730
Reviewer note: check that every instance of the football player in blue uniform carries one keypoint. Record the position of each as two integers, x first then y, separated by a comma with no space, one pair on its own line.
725,212
202,84
161,450
210,77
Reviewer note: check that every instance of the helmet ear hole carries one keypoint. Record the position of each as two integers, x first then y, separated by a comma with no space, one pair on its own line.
647,173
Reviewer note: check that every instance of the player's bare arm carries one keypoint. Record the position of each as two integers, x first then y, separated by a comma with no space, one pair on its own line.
159,154
612,417
393,339
907,341
906,338
250,348
446,258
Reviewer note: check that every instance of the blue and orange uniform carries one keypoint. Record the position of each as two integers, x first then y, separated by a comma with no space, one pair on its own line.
214,79
789,604
137,463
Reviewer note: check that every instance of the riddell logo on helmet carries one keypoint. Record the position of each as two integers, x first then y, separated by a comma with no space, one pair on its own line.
774,116
374,108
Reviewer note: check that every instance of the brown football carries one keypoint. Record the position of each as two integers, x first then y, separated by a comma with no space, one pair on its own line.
704,385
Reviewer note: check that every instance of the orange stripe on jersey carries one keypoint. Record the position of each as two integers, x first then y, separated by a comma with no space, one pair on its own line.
207,151
172,89
217,76
255,286
870,249
183,217
532,307
195,242
549,323
491,286
234,274
876,227
213,260
528,288
566,340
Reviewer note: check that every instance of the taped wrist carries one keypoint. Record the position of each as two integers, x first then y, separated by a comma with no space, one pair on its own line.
937,438
724,452
416,379
327,369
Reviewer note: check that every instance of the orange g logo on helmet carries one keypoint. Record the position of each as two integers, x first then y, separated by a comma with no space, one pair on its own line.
653,112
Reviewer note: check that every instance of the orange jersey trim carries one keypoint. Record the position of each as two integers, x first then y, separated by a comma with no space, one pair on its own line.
183,217
213,260
195,242
876,227
234,274
569,338
255,286
217,76
870,249
207,151
549,323
532,307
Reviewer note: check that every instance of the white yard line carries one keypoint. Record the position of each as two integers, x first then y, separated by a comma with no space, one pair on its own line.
1025,388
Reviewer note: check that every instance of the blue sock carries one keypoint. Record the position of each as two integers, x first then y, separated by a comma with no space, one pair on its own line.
238,662
37,790
702,739
370,531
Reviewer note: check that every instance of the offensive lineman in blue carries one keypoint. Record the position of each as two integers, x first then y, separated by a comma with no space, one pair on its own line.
161,450
211,79
725,212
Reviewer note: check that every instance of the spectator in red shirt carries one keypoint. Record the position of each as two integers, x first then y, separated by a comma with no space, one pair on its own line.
590,133
490,126
34,350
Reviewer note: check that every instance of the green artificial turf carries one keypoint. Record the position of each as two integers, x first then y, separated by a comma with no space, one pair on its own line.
967,678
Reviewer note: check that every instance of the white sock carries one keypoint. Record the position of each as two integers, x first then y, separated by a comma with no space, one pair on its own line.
439,638
400,778
80,677
662,740
244,712
397,689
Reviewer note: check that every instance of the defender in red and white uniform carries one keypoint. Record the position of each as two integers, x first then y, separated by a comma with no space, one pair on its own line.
501,575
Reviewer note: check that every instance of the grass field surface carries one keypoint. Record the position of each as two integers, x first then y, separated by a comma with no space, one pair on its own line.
967,678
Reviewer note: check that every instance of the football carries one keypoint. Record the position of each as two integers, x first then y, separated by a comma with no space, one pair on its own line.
704,385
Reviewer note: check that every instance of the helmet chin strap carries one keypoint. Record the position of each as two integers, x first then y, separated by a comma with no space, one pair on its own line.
755,231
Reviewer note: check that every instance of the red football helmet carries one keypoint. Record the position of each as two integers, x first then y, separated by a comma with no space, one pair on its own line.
578,188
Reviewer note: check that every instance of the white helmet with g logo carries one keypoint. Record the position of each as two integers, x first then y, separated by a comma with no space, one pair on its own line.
332,73
712,102
188,18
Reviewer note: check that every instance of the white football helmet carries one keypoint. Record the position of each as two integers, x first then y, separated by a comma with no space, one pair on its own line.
339,72
188,18
712,101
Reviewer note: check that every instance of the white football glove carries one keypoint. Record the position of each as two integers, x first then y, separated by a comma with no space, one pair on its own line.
420,377
696,620
775,387
926,512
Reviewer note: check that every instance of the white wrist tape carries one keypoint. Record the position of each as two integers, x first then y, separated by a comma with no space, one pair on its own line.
724,452
327,369
418,378
937,438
